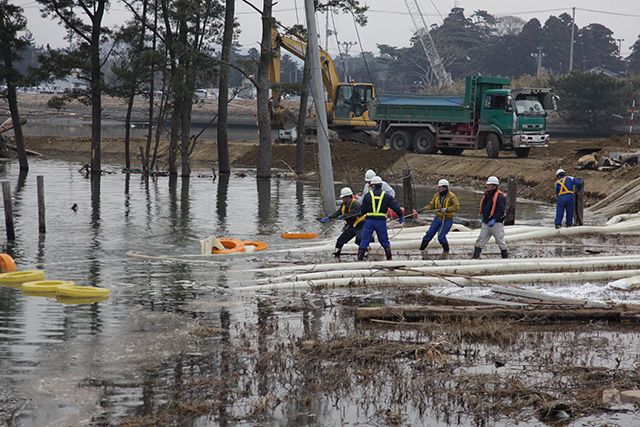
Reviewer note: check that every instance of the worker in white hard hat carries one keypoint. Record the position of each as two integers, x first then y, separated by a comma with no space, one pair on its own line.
375,205
353,222
492,209
368,176
445,204
566,187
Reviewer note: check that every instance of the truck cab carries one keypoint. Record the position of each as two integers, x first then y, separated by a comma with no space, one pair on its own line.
513,119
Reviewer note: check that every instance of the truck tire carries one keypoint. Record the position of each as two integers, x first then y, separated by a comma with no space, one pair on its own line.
493,145
523,152
451,151
400,140
424,143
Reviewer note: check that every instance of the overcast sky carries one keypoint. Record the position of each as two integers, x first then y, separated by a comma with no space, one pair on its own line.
389,21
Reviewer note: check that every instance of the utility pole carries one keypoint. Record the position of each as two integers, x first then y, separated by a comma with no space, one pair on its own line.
347,47
573,26
538,57
324,150
619,46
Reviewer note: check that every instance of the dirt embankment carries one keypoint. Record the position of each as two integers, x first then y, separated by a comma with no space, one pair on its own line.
536,174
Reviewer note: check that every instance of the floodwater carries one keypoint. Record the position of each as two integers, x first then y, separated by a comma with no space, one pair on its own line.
96,364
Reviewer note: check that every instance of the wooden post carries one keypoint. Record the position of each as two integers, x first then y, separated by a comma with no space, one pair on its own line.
512,194
8,210
41,222
578,217
408,194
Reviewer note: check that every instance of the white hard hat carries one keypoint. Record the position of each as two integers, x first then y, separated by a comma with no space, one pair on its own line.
376,180
443,183
346,191
369,175
559,172
493,180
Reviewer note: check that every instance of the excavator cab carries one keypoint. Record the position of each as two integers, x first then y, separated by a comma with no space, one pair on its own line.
352,100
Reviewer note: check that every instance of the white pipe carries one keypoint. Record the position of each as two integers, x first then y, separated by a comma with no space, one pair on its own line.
620,225
496,267
507,263
421,281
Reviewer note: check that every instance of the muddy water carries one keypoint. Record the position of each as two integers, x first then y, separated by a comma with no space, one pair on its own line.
68,364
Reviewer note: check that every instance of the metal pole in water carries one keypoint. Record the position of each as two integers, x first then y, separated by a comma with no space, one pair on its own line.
41,223
8,210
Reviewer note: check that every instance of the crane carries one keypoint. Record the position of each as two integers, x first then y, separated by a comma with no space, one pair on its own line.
422,31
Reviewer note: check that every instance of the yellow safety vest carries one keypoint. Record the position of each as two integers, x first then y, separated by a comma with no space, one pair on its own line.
376,204
359,219
563,188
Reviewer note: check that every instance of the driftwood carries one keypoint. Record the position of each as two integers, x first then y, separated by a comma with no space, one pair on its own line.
523,293
8,124
550,314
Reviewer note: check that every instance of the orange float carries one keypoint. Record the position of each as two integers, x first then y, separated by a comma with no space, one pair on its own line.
299,235
7,263
230,244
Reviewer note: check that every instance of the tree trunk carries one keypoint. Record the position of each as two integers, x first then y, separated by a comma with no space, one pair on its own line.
302,117
127,129
96,88
17,127
224,165
262,86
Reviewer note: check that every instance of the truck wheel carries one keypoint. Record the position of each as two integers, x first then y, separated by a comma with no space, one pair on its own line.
424,143
451,151
493,145
400,140
522,152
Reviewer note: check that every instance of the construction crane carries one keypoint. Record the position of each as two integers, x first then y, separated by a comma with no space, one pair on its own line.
427,43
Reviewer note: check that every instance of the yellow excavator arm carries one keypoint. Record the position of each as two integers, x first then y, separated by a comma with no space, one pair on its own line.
298,47
348,103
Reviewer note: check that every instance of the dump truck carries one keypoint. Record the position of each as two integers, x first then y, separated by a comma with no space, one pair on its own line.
488,116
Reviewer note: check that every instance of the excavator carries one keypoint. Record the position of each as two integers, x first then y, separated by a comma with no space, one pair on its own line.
347,105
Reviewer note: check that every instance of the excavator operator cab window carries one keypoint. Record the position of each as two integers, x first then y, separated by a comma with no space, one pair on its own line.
353,101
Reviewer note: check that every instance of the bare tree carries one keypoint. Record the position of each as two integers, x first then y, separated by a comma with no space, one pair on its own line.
12,23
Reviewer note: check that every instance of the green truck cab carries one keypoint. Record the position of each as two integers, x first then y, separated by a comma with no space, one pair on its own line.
487,116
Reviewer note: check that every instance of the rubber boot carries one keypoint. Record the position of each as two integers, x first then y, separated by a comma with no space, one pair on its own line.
476,252
387,252
337,252
445,247
423,244
504,253
361,253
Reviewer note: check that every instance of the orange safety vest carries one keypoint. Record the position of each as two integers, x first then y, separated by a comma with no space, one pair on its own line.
376,204
495,199
563,188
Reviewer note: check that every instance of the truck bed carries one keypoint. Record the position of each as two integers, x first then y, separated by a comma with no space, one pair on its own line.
419,108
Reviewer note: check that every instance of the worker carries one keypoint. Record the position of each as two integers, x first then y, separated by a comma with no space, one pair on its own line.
374,206
446,204
492,208
368,176
354,222
566,186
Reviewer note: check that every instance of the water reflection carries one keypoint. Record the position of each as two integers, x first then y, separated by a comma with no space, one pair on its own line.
221,200
163,216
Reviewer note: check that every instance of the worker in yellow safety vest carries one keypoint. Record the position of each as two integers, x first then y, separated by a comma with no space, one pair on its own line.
566,186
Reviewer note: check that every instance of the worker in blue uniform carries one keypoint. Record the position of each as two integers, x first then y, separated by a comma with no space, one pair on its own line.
375,205
566,186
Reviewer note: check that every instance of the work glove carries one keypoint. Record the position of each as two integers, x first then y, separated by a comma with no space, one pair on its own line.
443,210
401,219
491,222
325,219
340,216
